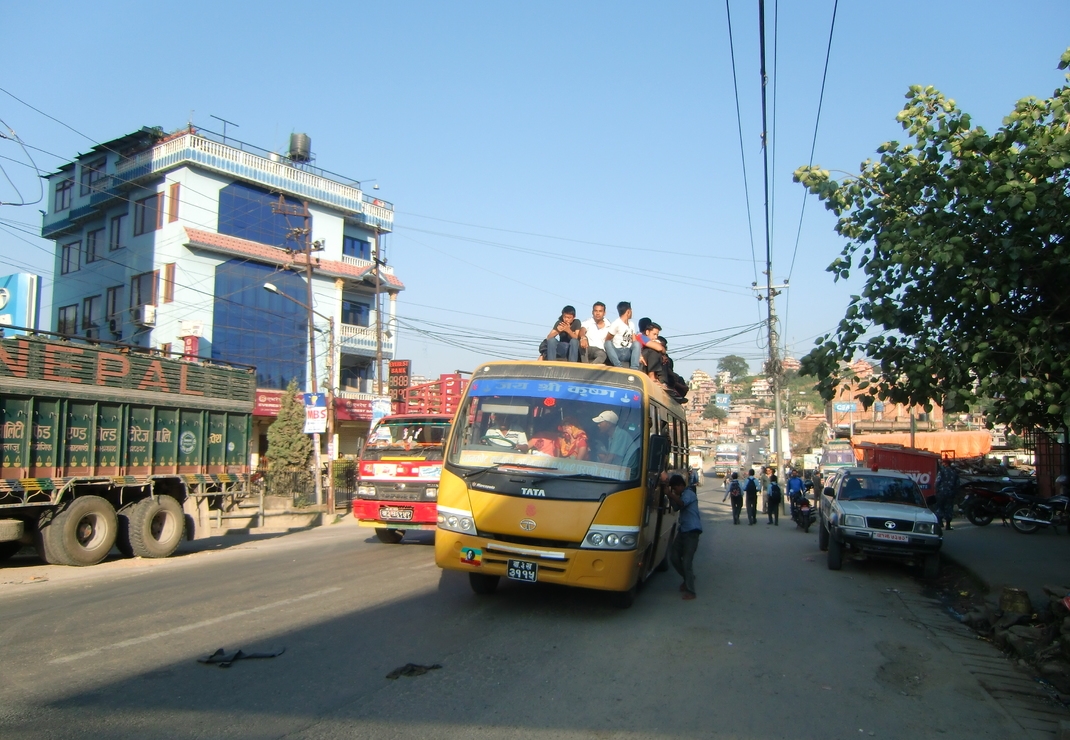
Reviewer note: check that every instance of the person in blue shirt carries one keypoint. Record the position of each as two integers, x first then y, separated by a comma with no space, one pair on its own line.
682,556
795,486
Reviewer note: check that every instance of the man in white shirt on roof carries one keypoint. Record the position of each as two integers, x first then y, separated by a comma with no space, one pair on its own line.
621,345
593,340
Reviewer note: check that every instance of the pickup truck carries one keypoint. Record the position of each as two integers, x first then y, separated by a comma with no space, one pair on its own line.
878,513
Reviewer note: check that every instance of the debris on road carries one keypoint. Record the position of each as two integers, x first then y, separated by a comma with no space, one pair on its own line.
223,659
411,669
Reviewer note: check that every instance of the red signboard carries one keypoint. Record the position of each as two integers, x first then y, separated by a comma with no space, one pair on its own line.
269,402
190,347
400,371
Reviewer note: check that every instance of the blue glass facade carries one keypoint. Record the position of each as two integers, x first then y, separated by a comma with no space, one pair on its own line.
246,212
256,327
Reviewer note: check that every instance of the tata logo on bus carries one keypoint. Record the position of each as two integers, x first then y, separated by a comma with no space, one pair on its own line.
533,492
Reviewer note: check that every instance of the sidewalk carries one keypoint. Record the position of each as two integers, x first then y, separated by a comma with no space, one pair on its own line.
1000,557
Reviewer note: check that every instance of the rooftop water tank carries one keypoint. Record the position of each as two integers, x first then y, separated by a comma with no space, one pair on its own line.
300,147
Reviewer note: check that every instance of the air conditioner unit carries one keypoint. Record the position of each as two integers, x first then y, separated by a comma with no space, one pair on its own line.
145,315
115,326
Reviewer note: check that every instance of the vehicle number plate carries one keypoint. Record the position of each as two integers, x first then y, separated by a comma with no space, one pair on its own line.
395,512
890,536
522,570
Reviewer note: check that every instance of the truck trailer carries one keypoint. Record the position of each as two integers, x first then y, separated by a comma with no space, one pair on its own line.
105,444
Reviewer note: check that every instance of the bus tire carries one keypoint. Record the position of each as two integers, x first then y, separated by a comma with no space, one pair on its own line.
483,584
156,526
82,534
8,549
624,599
389,536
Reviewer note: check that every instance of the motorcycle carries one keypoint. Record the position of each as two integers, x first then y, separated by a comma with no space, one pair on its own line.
1028,516
981,502
802,513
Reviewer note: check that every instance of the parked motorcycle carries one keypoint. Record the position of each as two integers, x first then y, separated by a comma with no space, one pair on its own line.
802,513
1029,513
982,502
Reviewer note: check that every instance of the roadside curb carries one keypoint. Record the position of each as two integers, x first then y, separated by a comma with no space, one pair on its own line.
985,583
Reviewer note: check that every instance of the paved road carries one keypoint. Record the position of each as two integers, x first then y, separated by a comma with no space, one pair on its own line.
776,646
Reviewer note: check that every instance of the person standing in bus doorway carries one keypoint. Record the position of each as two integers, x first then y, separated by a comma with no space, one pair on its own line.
750,489
682,556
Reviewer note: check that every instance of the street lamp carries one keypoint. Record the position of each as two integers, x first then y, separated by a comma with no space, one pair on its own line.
272,288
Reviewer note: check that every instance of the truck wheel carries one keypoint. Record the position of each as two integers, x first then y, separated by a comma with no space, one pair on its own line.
81,534
822,535
835,554
483,584
389,536
930,568
156,527
8,549
122,535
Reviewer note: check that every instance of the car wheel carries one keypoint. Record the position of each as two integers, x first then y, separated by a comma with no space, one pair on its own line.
483,584
389,536
835,554
822,535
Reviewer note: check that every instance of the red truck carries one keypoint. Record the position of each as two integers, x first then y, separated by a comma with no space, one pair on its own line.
921,465
397,484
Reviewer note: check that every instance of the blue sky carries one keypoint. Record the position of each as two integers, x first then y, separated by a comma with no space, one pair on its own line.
537,153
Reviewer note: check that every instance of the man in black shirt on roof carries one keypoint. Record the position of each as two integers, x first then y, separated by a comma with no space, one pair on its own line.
564,338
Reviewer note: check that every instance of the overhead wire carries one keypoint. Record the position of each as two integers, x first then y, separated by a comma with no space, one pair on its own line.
742,149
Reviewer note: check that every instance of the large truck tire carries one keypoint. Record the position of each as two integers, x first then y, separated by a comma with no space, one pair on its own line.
156,526
82,534
122,536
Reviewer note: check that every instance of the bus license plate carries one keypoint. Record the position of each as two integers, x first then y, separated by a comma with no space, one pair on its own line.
522,570
891,537
395,512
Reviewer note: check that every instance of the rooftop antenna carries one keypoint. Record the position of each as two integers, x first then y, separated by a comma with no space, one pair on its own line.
225,122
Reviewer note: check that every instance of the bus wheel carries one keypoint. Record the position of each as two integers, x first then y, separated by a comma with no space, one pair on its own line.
81,534
389,536
483,584
624,599
156,527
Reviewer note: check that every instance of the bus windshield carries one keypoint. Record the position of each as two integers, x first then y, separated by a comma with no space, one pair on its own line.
408,433
553,428
838,457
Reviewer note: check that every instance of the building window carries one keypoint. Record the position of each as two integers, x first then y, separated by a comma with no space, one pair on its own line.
64,191
68,320
114,300
92,312
172,205
69,257
92,173
94,240
355,313
148,215
165,349
118,230
354,247
143,289
250,213
168,287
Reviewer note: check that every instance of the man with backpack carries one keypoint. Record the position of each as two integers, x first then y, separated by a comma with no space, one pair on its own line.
775,498
750,488
736,493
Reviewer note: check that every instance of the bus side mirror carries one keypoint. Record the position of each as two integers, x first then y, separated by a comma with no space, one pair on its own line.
659,450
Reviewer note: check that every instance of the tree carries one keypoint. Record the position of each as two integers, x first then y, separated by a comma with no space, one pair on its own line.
712,411
963,238
288,445
735,365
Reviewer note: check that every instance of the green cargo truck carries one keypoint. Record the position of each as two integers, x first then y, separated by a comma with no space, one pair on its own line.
107,445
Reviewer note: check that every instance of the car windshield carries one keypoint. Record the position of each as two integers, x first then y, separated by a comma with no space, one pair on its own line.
886,489
553,427
408,434
838,457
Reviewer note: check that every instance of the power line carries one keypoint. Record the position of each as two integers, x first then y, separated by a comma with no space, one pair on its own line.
742,152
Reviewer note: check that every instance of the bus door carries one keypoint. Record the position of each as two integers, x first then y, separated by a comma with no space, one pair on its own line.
657,503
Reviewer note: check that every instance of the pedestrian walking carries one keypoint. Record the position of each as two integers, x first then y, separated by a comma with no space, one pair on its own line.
750,489
775,497
682,556
947,488
735,492
763,484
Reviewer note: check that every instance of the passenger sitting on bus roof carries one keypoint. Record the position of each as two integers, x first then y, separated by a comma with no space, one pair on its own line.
621,347
593,340
501,434
652,356
564,338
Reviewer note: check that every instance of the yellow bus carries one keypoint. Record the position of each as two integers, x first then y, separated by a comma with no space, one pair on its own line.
551,474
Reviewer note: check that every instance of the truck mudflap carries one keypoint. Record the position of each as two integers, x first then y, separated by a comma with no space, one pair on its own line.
396,514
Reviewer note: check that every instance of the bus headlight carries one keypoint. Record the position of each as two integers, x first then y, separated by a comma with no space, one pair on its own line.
606,538
366,491
456,520
432,492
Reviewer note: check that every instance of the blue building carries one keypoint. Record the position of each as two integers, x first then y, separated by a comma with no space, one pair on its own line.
167,240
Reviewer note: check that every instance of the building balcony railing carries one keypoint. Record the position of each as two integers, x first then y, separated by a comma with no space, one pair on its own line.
360,340
358,262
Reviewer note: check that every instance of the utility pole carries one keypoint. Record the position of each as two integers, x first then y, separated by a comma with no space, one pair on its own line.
378,313
303,236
